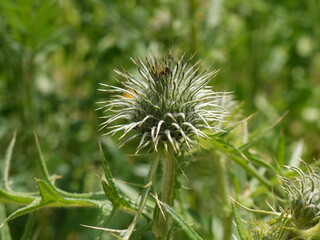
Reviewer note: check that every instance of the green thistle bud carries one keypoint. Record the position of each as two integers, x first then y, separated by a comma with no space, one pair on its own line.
300,218
168,104
304,210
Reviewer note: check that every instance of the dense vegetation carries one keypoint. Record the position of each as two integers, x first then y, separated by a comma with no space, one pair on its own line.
54,54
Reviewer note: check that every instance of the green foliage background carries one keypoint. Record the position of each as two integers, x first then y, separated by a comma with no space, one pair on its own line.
53,54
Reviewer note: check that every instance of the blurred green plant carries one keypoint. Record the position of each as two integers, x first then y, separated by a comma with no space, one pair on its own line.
54,53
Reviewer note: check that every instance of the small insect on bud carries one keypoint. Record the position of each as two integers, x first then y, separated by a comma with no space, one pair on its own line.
168,104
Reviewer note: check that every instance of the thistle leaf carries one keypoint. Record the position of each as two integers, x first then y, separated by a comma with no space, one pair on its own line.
35,205
16,198
237,156
50,196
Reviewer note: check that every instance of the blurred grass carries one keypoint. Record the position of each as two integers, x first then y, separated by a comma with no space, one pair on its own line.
53,54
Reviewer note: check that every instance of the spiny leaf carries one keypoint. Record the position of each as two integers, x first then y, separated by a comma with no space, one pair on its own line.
108,186
51,197
116,199
11,197
35,205
48,193
16,198
189,232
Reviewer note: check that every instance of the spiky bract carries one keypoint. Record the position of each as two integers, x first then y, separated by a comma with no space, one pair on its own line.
167,104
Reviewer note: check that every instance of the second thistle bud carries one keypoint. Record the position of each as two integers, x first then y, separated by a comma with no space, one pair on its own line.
300,218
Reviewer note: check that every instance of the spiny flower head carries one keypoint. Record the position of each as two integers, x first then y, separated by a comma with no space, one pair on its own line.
304,194
167,104
300,218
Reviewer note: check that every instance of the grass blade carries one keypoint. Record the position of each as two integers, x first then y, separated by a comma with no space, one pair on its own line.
8,157
295,158
260,132
280,152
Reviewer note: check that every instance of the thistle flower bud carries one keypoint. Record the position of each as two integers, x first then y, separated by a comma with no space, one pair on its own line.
304,194
167,104
300,218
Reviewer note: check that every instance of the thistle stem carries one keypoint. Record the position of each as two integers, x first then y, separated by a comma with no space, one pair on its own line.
163,222
169,175
221,177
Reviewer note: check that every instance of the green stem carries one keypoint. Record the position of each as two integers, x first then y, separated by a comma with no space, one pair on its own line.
222,182
227,227
194,24
30,112
6,168
163,223
169,175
